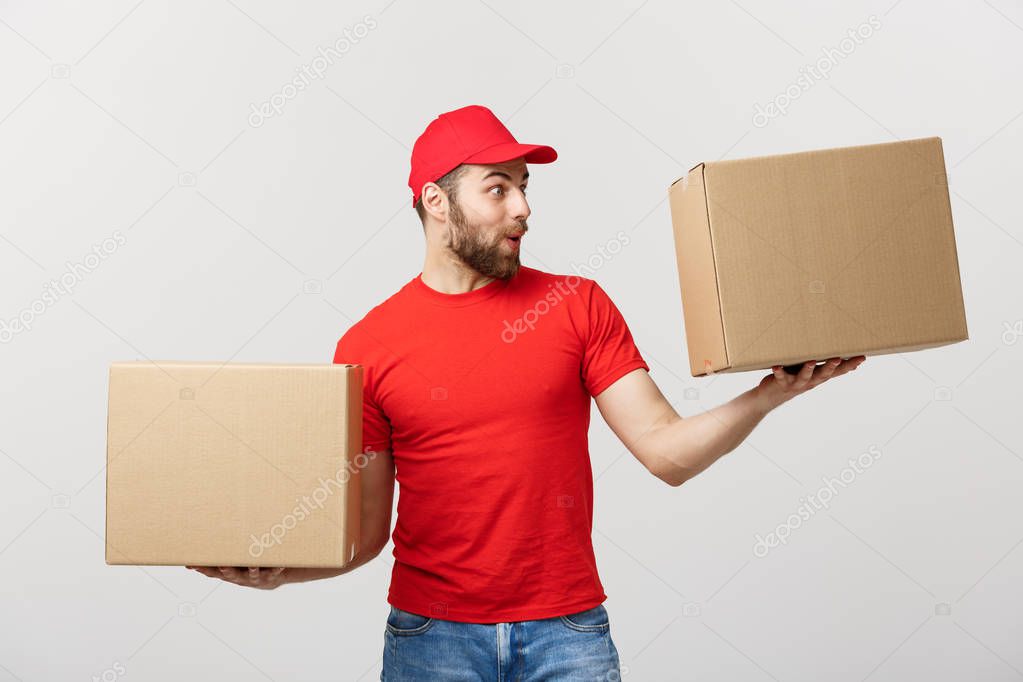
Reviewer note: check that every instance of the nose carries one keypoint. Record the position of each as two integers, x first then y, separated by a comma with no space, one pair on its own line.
519,208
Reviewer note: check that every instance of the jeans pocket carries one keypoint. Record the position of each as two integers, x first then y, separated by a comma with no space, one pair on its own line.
590,620
401,622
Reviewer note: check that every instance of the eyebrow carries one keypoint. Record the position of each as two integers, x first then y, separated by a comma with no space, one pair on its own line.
525,176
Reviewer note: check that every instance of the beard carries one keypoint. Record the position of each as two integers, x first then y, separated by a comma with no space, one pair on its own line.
489,258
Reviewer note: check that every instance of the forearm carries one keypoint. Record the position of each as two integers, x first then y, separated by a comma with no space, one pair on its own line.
301,575
684,447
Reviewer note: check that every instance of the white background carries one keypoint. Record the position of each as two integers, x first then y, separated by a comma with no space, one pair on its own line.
265,243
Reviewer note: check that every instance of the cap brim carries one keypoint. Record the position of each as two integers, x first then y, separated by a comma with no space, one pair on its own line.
506,151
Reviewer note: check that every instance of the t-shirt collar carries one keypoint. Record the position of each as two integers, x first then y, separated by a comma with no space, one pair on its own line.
456,300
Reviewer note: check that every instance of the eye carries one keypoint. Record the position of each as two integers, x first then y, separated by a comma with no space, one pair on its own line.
500,189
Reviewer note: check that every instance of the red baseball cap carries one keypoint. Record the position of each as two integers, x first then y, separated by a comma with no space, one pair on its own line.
472,134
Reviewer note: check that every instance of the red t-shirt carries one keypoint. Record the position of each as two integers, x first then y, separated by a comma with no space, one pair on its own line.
484,399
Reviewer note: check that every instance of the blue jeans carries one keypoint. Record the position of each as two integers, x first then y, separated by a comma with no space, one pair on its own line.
573,647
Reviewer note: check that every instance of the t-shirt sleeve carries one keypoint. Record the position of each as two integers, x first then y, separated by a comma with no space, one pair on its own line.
376,427
609,351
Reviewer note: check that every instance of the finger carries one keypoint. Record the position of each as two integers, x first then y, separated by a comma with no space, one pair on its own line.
803,378
207,571
846,367
849,365
276,571
253,573
229,573
827,370
781,376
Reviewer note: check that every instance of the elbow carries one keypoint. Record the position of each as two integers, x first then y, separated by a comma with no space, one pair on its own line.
659,452
674,480
668,472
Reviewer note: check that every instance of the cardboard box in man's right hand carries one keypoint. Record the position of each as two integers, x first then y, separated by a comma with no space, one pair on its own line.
813,255
234,464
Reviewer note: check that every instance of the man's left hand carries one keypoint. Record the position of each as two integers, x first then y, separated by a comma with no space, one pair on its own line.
780,386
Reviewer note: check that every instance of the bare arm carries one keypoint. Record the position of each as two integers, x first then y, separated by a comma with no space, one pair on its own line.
377,480
674,448
377,501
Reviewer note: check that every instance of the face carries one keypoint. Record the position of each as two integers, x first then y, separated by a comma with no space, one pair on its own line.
490,210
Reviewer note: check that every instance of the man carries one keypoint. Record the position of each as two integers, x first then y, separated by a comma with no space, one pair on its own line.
478,375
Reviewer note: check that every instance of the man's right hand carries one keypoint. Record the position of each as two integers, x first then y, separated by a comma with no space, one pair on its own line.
259,578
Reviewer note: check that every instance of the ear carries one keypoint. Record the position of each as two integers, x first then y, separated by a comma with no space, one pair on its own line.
435,202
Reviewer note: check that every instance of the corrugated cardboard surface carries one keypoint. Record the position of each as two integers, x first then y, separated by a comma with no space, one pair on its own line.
806,256
697,273
213,464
